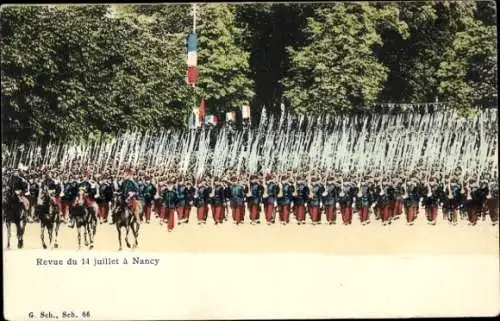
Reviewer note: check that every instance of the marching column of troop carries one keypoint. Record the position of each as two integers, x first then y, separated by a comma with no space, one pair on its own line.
277,197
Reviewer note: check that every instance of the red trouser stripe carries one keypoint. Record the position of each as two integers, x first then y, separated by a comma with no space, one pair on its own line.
269,208
284,211
218,213
331,214
202,212
363,214
431,213
180,212
147,211
254,211
314,211
492,205
385,213
170,212
300,212
103,210
346,212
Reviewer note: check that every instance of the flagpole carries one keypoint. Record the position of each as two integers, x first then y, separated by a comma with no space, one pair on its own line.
194,17
193,84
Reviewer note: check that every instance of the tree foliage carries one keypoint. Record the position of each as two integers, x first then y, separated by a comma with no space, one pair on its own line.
468,70
68,72
225,80
75,71
337,69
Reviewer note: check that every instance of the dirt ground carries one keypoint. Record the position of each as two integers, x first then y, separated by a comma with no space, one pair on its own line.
373,239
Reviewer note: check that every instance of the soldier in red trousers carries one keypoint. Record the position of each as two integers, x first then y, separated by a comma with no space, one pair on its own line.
254,199
169,197
285,199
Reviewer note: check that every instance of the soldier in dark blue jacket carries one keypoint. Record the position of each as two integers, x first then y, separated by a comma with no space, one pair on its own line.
391,197
130,192
191,191
201,200
449,204
363,201
218,200
254,199
398,196
54,185
182,200
475,200
432,199
140,195
169,197
301,200
330,196
285,199
105,198
148,193
270,198
411,198
34,189
237,191
17,183
69,193
315,199
492,200
347,197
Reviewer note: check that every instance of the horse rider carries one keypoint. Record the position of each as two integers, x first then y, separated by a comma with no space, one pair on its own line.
70,192
104,197
18,185
34,189
91,188
52,184
129,192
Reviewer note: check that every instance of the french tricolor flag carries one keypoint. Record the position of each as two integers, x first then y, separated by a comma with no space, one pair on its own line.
192,59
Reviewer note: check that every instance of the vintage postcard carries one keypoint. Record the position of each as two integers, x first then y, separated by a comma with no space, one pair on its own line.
249,160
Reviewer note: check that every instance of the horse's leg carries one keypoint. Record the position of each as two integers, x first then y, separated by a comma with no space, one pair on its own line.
42,234
79,228
119,236
85,231
136,234
8,223
126,235
20,232
92,226
50,229
91,233
24,221
85,235
56,232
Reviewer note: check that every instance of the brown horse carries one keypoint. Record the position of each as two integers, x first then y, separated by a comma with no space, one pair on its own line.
125,217
86,217
47,211
15,208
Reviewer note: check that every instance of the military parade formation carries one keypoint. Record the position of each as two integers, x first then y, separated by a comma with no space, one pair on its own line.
277,197
282,171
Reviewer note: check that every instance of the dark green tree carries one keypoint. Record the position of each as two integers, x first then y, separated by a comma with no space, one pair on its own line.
223,64
337,69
